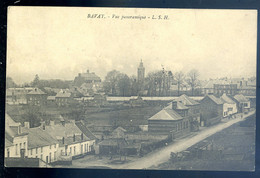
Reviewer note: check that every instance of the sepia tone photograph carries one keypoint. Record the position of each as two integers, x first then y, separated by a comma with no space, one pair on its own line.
131,88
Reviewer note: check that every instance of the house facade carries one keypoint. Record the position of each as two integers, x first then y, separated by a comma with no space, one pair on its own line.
243,104
17,95
193,111
36,97
88,77
229,89
41,144
16,141
169,121
63,98
211,109
229,106
72,141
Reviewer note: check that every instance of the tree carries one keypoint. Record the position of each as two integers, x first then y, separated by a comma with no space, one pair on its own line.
32,115
134,86
110,82
192,80
10,83
36,81
179,77
123,85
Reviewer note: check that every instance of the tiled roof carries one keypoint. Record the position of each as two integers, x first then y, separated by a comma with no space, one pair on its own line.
67,131
166,114
184,99
59,130
241,98
8,143
38,137
210,84
10,122
63,94
119,128
90,76
114,142
51,98
180,106
227,99
85,130
215,99
36,91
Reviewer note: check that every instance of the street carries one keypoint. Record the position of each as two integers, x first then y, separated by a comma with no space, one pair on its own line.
162,155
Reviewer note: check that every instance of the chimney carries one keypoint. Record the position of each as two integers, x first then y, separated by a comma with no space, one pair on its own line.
174,105
27,125
43,125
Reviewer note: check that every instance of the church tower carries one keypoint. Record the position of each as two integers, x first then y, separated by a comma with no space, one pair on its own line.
140,72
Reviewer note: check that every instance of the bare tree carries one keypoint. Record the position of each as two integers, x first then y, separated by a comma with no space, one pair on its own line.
192,79
111,81
179,77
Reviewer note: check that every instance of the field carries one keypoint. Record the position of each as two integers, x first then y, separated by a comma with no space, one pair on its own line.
125,117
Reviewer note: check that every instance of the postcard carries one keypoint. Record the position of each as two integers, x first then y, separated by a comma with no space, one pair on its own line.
131,88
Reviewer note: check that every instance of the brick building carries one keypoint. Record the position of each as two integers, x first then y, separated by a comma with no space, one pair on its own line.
211,109
229,89
193,112
172,120
36,97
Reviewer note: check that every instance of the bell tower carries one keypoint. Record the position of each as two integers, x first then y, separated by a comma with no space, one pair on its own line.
140,72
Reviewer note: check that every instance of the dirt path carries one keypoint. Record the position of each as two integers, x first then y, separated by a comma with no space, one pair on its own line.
162,155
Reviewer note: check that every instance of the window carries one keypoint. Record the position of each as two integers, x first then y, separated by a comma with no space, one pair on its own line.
246,104
50,157
70,150
31,151
24,145
41,156
74,150
54,155
36,150
20,145
41,149
16,149
55,146
230,109
8,152
36,156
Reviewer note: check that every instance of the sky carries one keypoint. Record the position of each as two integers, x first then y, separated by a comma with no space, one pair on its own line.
60,42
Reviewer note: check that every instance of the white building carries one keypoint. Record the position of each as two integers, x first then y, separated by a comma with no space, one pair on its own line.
72,141
229,106
41,144
16,142
243,103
